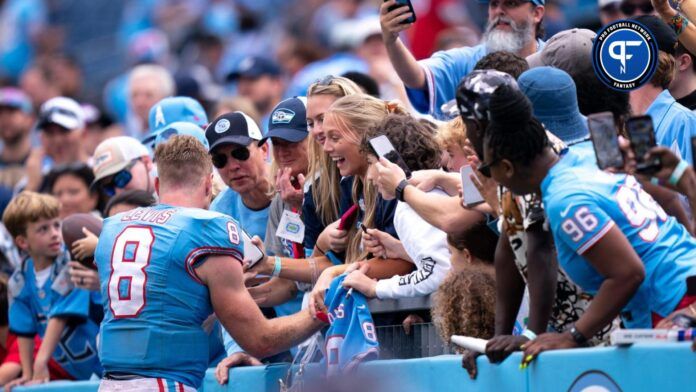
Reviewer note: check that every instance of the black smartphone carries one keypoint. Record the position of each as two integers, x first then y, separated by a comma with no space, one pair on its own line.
642,135
384,149
400,3
605,140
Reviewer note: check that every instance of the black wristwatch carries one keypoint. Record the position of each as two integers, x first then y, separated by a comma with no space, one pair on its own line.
579,338
399,192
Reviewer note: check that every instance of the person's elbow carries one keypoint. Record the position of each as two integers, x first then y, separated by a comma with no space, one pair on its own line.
633,278
260,348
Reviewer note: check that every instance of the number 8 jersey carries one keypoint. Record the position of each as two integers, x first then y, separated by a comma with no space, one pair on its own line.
154,302
583,204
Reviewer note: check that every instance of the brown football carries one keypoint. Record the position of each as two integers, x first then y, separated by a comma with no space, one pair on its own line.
72,231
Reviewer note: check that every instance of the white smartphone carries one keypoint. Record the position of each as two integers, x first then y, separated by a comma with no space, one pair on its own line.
470,193
384,149
251,251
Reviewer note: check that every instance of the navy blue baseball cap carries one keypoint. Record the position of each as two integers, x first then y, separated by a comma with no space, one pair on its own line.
232,128
254,67
288,121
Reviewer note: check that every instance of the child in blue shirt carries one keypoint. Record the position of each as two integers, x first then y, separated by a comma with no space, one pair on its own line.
42,301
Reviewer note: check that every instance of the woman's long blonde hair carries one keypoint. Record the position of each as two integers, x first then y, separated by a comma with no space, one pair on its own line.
326,192
354,114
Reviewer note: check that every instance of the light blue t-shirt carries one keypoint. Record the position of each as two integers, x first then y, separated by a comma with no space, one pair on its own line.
254,223
583,204
443,72
674,124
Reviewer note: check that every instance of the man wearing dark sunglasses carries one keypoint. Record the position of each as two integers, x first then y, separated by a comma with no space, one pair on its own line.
241,162
120,164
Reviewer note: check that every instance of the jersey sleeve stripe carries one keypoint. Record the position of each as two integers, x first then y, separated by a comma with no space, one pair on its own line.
195,255
598,236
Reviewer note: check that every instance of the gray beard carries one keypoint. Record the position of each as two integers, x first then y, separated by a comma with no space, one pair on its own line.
509,41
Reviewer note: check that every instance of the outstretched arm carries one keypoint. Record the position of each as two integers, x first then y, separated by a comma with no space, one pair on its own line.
243,319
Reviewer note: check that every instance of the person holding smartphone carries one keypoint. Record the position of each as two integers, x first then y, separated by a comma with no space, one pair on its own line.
612,239
513,26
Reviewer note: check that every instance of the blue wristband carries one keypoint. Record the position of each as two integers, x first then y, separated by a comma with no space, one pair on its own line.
678,172
277,267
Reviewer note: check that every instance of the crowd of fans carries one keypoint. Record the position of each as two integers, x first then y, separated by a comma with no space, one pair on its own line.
286,97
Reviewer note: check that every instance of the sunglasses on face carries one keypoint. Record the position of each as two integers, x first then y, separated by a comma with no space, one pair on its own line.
630,8
119,180
220,160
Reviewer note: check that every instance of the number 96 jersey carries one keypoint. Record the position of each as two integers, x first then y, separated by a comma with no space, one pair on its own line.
583,204
154,303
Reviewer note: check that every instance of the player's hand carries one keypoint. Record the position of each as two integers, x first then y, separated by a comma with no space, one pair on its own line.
17,382
469,363
389,175
382,244
391,21
83,277
359,281
222,371
288,193
316,297
84,248
500,347
545,342
409,321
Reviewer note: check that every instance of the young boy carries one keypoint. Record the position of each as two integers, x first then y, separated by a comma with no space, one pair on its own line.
41,300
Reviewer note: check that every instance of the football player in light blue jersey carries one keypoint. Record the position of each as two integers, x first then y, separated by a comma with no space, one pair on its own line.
165,269
613,240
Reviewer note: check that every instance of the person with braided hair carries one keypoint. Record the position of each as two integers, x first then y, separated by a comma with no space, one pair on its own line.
612,239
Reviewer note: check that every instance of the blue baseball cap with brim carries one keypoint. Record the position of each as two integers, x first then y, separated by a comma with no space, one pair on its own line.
554,98
288,121
174,109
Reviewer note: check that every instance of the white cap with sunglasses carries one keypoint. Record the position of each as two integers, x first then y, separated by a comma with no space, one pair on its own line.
114,155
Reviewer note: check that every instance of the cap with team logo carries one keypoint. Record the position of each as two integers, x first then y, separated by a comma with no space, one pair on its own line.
181,128
288,121
61,111
232,128
115,154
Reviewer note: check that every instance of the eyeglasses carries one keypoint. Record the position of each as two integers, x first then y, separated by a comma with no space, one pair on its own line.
220,160
119,180
629,9
506,4
485,167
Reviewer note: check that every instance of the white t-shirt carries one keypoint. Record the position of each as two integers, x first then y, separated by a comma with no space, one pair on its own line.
426,245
